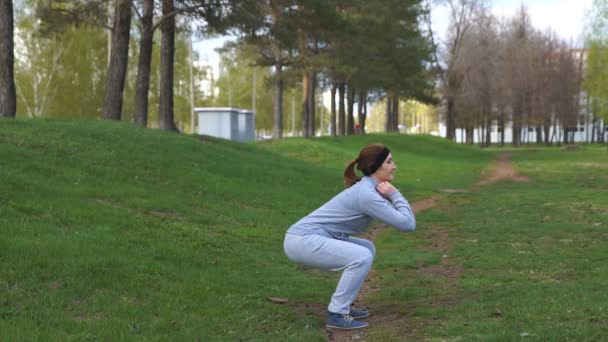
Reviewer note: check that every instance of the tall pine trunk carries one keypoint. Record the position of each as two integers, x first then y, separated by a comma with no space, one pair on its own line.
392,114
361,111
341,110
332,120
167,64
389,112
143,67
305,107
277,122
8,97
117,71
312,85
351,110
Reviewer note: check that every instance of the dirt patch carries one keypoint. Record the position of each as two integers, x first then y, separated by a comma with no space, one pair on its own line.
425,204
503,169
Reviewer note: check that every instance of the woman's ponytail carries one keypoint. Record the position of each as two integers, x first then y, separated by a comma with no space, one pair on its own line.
350,177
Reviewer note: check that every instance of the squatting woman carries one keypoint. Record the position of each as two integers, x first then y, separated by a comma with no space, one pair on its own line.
323,239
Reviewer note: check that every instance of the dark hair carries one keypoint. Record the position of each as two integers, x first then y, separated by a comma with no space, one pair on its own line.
370,158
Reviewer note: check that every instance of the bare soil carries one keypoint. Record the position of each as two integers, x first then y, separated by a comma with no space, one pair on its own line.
502,170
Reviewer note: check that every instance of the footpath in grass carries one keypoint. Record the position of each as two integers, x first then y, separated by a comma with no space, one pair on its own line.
521,258
112,232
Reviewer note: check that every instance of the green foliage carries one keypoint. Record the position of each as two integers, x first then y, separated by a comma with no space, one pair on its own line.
596,82
59,76
235,88
114,232
235,84
62,75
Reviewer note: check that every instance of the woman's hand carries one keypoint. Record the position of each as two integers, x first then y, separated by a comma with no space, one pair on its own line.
386,189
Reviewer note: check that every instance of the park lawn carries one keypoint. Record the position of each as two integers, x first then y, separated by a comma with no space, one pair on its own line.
532,257
113,232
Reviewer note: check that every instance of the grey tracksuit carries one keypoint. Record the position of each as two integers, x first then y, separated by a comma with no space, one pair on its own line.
322,239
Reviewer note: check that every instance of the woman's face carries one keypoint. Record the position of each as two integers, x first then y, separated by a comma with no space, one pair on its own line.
385,172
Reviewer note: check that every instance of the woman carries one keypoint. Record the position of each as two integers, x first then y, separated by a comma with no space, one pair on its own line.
323,238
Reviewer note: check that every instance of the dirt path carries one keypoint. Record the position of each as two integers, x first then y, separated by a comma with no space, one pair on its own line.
502,170
448,270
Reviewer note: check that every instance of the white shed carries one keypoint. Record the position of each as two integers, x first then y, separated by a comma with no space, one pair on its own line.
227,123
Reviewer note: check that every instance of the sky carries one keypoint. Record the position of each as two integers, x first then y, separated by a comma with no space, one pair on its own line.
565,17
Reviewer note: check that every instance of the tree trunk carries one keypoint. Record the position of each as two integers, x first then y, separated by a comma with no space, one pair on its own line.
305,109
8,95
392,113
469,138
312,85
167,64
277,122
488,137
389,112
143,67
501,128
350,127
361,112
450,120
539,134
119,57
547,131
341,110
593,129
333,110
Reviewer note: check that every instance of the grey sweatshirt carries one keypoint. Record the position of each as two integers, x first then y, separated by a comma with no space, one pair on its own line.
354,209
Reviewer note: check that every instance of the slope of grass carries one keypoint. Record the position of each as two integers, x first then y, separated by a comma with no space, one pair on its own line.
111,232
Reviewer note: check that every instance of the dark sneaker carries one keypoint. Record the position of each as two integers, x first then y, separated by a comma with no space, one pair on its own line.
358,313
346,322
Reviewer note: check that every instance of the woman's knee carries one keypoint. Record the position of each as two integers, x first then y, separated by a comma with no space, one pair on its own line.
372,249
365,243
366,258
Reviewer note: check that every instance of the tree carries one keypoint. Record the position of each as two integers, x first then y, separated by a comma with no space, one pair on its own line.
8,97
269,26
144,63
167,57
596,82
57,74
236,86
117,71
461,14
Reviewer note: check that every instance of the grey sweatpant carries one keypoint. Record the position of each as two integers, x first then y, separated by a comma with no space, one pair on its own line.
353,256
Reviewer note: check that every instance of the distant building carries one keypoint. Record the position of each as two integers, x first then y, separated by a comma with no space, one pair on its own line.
226,123
583,133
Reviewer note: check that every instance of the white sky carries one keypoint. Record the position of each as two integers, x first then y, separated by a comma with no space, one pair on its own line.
565,17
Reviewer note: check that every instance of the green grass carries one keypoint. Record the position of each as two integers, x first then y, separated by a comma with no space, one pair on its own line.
111,232
534,256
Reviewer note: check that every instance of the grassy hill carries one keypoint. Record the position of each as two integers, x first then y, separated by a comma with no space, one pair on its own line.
114,232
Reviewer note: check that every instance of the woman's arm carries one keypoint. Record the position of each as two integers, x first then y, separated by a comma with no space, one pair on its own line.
398,213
